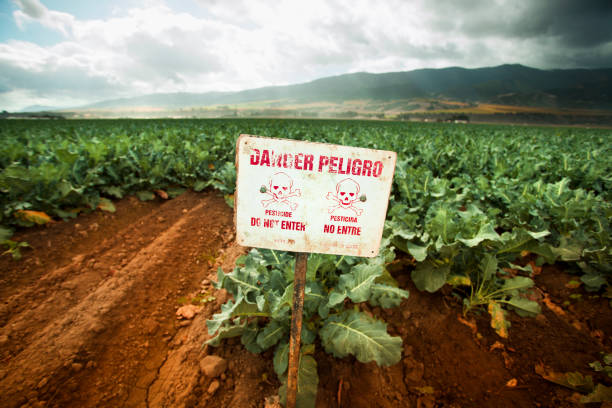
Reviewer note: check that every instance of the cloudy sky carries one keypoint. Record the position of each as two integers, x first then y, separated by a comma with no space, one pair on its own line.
68,53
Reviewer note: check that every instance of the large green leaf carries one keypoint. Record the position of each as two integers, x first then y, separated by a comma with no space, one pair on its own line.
430,276
568,250
335,298
315,300
387,296
520,240
309,334
272,333
280,306
226,332
517,284
281,358
318,265
273,280
486,232
419,252
443,224
245,281
488,266
308,381
218,319
232,309
523,306
249,337
357,284
593,281
356,333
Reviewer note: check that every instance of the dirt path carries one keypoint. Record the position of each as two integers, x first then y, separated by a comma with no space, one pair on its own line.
88,319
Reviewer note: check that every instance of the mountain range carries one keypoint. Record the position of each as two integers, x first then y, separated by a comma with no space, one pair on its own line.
514,84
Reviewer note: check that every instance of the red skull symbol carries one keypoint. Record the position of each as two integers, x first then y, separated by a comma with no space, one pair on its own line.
347,193
281,189
280,185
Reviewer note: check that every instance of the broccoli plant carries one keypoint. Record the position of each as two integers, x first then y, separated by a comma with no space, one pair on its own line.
260,311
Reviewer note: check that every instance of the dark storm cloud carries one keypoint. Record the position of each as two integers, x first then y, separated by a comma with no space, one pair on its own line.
558,33
580,32
576,23
543,34
590,58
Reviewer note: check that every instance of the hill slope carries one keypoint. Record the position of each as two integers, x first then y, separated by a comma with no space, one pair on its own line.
505,84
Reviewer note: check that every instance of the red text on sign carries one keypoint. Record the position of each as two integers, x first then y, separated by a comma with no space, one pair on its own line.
265,157
355,167
305,161
293,226
279,213
341,229
284,225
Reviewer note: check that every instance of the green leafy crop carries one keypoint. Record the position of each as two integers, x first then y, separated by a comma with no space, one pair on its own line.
260,311
468,204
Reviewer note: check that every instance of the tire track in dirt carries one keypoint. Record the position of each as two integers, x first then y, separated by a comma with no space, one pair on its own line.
101,328
179,382
33,307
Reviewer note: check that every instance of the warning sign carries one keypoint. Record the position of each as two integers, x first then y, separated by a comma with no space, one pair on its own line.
311,197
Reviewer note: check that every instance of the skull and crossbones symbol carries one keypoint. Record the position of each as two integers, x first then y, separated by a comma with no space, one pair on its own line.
281,189
347,194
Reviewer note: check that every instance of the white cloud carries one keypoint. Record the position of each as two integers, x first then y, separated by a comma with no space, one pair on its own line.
246,44
34,10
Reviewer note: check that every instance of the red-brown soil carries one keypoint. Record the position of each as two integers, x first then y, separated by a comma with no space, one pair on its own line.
88,319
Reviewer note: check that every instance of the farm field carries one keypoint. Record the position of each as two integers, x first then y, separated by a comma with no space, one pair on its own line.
492,284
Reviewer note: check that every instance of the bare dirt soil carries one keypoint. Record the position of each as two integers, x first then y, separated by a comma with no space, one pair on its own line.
88,318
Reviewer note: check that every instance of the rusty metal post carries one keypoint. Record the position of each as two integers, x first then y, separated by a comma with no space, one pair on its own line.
299,282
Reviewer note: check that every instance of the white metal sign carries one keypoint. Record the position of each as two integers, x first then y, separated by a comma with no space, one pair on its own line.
311,197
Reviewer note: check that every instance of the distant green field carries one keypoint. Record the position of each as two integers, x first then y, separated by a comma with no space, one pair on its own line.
461,193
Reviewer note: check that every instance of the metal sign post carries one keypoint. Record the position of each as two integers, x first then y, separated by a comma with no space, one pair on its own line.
309,197
299,282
